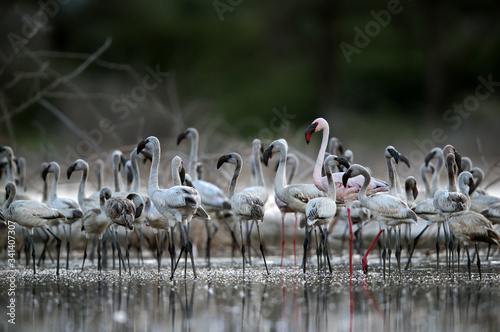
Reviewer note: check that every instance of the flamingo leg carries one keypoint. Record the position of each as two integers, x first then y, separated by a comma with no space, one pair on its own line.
262,247
282,237
119,250
325,248
183,248
85,252
415,241
306,248
295,243
140,257
32,244
398,248
58,247
127,251
478,261
364,259
171,248
351,238
318,260
68,237
190,251
468,261
99,245
242,247
159,251
437,247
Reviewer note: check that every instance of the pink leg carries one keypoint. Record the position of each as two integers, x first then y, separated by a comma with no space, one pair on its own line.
351,238
294,242
283,239
363,260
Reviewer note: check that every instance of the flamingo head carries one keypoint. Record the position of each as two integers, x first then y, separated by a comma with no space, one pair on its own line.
317,125
78,165
391,152
138,202
190,133
231,158
146,146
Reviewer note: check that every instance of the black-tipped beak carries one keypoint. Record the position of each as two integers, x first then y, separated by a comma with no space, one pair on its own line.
343,162
472,186
181,137
404,159
70,170
415,192
138,211
458,160
261,148
222,160
182,174
141,145
428,157
268,154
310,130
345,177
44,173
394,154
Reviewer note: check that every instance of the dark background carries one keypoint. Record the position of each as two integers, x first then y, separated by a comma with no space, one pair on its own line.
231,64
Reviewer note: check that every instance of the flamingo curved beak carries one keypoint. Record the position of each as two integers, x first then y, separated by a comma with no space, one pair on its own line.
222,160
309,131
181,137
70,170
141,145
268,154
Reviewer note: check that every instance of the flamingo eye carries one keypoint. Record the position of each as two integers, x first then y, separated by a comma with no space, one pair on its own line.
316,123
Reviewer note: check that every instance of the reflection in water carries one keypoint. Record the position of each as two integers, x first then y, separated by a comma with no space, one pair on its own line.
222,300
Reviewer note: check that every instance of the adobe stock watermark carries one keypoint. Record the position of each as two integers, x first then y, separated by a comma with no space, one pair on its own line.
455,116
121,106
11,263
221,7
32,24
372,29
276,126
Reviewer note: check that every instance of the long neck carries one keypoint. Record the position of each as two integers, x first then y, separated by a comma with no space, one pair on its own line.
136,180
293,169
176,176
435,176
362,191
452,181
236,174
423,175
279,182
102,201
193,157
258,169
116,175
153,174
98,174
45,192
391,177
321,156
53,188
10,199
81,188
332,193
463,189
10,169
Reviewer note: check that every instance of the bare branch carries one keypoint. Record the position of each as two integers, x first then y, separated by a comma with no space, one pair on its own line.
8,122
54,110
39,95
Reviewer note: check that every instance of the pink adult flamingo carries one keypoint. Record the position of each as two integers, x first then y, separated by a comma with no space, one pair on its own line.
346,193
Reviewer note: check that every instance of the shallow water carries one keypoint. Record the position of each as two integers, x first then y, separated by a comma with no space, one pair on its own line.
222,299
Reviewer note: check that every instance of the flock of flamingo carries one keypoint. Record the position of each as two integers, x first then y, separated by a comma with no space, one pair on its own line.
465,212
